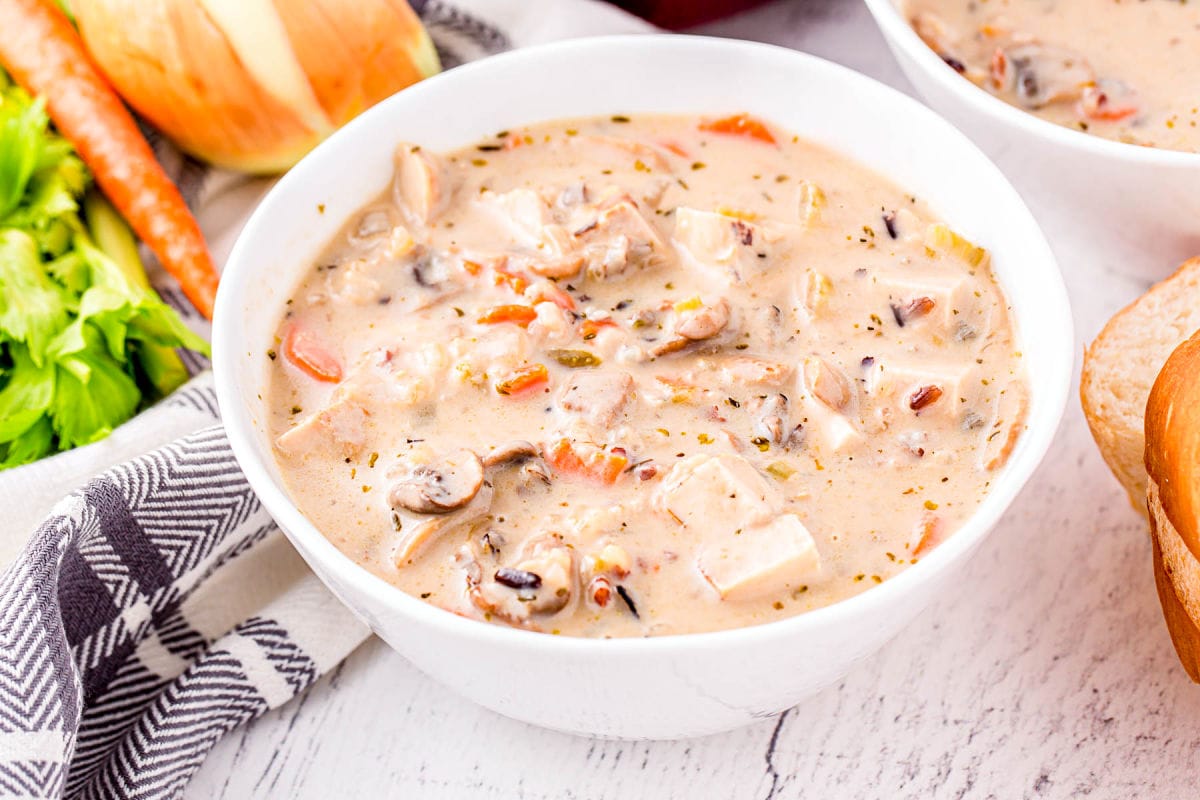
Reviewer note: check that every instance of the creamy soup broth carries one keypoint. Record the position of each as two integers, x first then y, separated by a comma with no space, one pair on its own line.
629,377
1122,69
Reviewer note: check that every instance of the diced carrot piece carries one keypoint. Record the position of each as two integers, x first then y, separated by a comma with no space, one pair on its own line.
302,349
740,125
930,530
516,314
591,327
594,463
523,380
514,280
472,267
545,291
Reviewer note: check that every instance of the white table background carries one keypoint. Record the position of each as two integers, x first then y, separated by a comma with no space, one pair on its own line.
1046,670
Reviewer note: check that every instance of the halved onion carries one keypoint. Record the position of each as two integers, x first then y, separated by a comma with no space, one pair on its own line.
254,84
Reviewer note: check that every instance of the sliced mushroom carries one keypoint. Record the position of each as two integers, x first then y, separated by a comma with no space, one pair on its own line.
417,530
512,452
441,486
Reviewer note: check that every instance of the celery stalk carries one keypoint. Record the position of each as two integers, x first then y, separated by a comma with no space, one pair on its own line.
162,365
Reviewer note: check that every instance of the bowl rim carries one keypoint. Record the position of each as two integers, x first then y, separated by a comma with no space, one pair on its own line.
898,31
239,426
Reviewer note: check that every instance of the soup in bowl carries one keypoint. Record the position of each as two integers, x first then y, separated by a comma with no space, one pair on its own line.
1089,104
638,406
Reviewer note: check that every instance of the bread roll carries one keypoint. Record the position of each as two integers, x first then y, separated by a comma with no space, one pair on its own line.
1120,366
1172,461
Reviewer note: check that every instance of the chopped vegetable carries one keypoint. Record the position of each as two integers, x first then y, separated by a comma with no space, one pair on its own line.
740,125
591,327
84,341
941,239
584,460
575,359
523,380
516,314
42,51
515,281
929,534
307,354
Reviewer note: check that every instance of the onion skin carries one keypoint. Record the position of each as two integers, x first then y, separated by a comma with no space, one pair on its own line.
178,64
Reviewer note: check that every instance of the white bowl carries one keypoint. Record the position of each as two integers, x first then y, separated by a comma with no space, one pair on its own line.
672,686
1141,204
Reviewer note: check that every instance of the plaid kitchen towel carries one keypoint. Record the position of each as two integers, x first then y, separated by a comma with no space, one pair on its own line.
157,606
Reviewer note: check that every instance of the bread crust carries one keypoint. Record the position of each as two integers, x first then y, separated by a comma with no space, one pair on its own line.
1173,440
1177,578
1173,496
1120,364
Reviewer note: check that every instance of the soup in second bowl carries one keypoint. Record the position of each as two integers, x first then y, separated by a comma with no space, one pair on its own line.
629,377
1121,70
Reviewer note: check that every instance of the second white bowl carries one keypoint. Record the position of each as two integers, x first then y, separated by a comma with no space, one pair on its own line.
1141,204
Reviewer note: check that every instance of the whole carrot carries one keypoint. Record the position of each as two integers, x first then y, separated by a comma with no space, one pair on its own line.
41,51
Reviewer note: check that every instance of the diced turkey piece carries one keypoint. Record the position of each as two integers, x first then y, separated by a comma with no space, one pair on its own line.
748,548
502,350
619,238
924,389
724,248
722,494
826,383
532,221
761,561
838,433
951,292
344,422
524,212
358,280
421,186
385,378
598,398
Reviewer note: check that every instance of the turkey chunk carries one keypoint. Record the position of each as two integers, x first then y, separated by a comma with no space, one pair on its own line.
932,297
618,238
421,187
729,249
748,548
597,398
925,389
722,494
535,225
385,378
760,561
344,422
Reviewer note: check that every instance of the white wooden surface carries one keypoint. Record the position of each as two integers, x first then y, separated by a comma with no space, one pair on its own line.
1045,672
